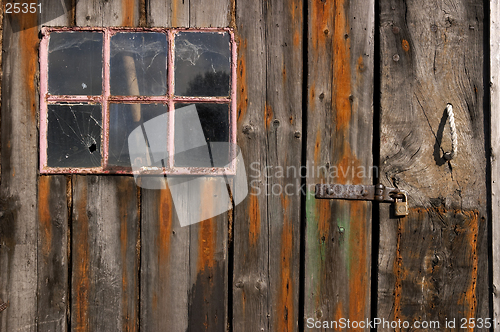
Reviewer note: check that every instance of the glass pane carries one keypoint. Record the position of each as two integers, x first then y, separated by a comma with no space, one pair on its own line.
123,119
75,63
199,128
202,64
74,135
138,64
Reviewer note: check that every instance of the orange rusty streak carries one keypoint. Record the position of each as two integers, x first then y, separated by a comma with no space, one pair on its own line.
341,69
175,9
285,305
165,215
44,214
361,64
320,23
254,219
128,8
406,45
312,93
268,115
339,314
359,269
81,260
317,147
471,226
207,231
283,74
28,45
242,81
296,38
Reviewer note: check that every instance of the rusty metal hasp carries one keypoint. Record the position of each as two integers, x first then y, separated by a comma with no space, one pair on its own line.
377,193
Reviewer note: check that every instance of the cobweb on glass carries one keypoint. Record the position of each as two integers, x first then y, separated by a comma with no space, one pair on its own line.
74,135
138,64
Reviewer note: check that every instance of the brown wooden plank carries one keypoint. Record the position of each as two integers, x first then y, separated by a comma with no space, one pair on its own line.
184,269
105,284
433,263
495,152
53,225
267,223
339,143
53,232
18,223
105,230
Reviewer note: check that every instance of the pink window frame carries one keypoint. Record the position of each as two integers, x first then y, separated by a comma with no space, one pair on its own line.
105,99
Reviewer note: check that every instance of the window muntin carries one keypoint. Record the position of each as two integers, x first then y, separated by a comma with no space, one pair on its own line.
140,70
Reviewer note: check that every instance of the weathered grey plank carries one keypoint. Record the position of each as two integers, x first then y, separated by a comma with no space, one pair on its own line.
105,227
105,234
267,223
495,153
53,232
339,144
53,224
433,263
184,269
18,225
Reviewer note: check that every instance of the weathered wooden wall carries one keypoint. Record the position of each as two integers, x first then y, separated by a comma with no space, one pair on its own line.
98,253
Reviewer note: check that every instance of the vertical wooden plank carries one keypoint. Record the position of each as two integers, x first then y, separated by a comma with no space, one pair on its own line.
433,263
53,254
184,269
339,144
53,230
104,254
18,223
267,223
495,153
105,231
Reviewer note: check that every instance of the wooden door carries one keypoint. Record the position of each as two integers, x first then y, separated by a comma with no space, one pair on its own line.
332,91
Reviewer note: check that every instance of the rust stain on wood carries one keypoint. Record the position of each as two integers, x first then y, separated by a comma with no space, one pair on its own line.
470,231
359,281
405,45
312,93
207,232
398,263
254,219
285,305
320,17
82,261
242,81
341,84
175,10
268,116
128,9
165,214
44,214
28,46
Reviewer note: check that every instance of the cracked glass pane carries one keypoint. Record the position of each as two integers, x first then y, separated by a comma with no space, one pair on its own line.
123,119
138,64
198,129
75,63
74,135
202,64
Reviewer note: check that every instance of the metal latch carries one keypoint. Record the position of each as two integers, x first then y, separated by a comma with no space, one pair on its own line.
377,193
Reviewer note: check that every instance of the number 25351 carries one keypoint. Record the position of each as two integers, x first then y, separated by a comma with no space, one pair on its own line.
23,8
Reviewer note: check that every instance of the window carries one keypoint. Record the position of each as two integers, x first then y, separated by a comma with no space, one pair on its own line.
120,100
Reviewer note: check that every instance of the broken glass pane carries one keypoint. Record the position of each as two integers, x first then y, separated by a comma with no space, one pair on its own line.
74,135
198,129
138,64
202,64
75,63
123,119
